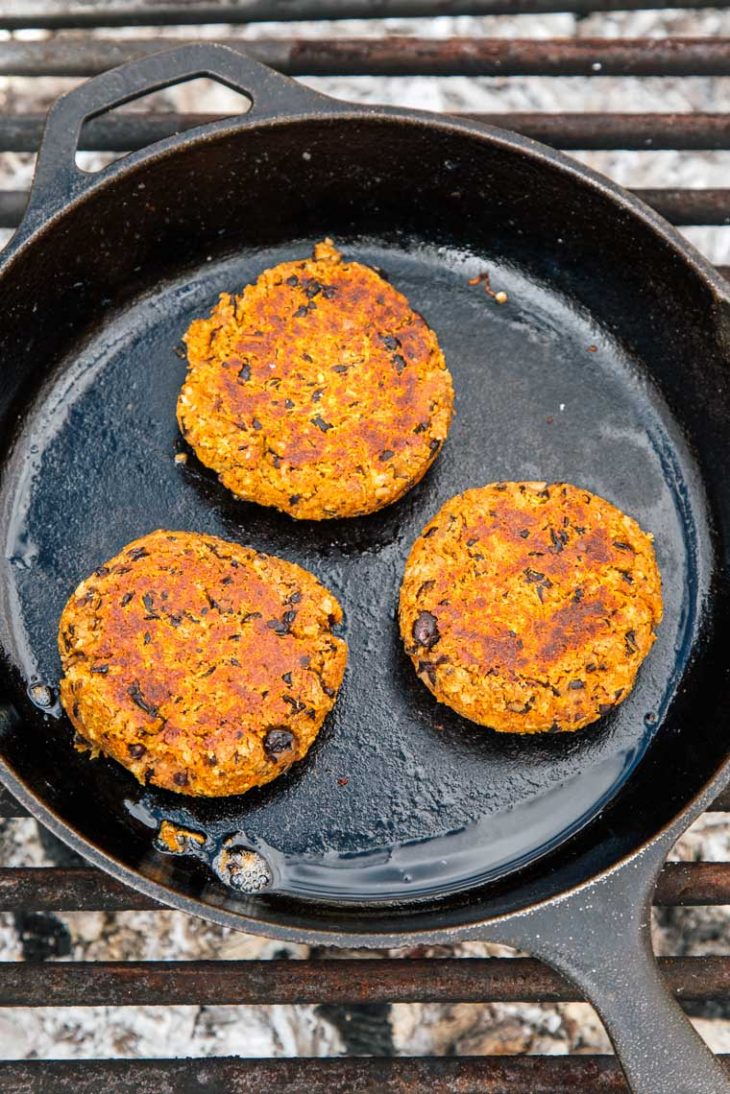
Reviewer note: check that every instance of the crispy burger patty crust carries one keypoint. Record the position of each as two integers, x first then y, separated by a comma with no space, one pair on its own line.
529,607
202,666
318,391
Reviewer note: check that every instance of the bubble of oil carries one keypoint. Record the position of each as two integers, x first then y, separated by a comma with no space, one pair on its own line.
42,696
241,868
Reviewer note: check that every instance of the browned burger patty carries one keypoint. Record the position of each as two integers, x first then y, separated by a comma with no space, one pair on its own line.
318,391
202,666
529,607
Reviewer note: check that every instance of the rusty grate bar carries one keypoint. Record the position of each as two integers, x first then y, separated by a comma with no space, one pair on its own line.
693,883
397,56
67,889
636,132
437,1075
628,132
679,206
8,805
83,888
390,980
689,206
12,207
89,13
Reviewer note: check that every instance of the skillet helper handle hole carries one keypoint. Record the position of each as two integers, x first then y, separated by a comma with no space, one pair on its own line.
599,936
58,179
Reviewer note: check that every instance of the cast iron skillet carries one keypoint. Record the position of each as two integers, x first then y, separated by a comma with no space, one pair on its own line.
607,367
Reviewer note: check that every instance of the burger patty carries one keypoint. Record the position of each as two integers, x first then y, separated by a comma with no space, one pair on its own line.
318,391
529,607
202,666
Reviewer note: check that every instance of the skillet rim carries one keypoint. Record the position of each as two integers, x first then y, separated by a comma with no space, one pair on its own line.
44,214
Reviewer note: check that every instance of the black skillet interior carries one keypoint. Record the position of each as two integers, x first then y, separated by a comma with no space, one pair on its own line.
603,368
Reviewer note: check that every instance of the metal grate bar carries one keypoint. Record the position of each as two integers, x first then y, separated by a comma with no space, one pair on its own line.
83,888
721,803
254,983
679,206
126,132
437,1075
12,207
397,56
90,13
689,206
69,888
9,807
693,884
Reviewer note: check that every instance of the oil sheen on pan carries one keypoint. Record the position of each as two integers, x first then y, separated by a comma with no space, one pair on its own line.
399,796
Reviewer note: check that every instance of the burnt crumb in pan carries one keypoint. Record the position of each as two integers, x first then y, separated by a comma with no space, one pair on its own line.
176,840
484,280
530,607
318,391
204,667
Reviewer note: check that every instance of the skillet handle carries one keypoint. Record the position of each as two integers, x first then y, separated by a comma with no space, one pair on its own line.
57,178
600,938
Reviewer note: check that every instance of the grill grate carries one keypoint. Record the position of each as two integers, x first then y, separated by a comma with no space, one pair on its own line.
85,13
438,1075
397,56
631,132
350,981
